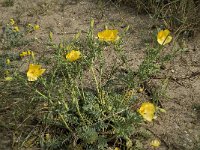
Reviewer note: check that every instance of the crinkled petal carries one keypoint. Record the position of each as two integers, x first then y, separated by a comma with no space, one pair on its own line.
147,111
73,55
108,35
32,78
163,37
34,72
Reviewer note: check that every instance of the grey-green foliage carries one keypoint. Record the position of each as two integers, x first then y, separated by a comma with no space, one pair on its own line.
11,38
93,117
150,65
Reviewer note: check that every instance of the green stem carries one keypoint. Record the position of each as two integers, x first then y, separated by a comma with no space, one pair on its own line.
74,99
66,125
61,116
97,85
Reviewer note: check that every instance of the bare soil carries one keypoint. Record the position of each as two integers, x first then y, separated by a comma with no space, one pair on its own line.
179,127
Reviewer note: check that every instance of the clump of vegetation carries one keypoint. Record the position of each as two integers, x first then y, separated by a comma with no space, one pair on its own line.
183,16
8,3
71,111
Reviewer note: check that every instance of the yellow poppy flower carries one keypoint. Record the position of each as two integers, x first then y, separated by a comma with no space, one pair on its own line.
108,35
16,29
147,111
29,52
73,55
163,37
155,143
12,22
34,72
23,54
36,27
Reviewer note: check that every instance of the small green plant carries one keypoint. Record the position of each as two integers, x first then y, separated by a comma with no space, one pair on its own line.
12,36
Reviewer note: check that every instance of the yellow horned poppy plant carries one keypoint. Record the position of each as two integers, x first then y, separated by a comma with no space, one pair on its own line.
34,72
108,35
147,111
163,37
73,55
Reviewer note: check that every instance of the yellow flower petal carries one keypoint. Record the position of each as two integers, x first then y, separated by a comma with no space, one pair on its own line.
36,27
12,21
29,52
108,35
23,54
34,72
73,55
155,143
147,111
16,29
163,37
26,53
